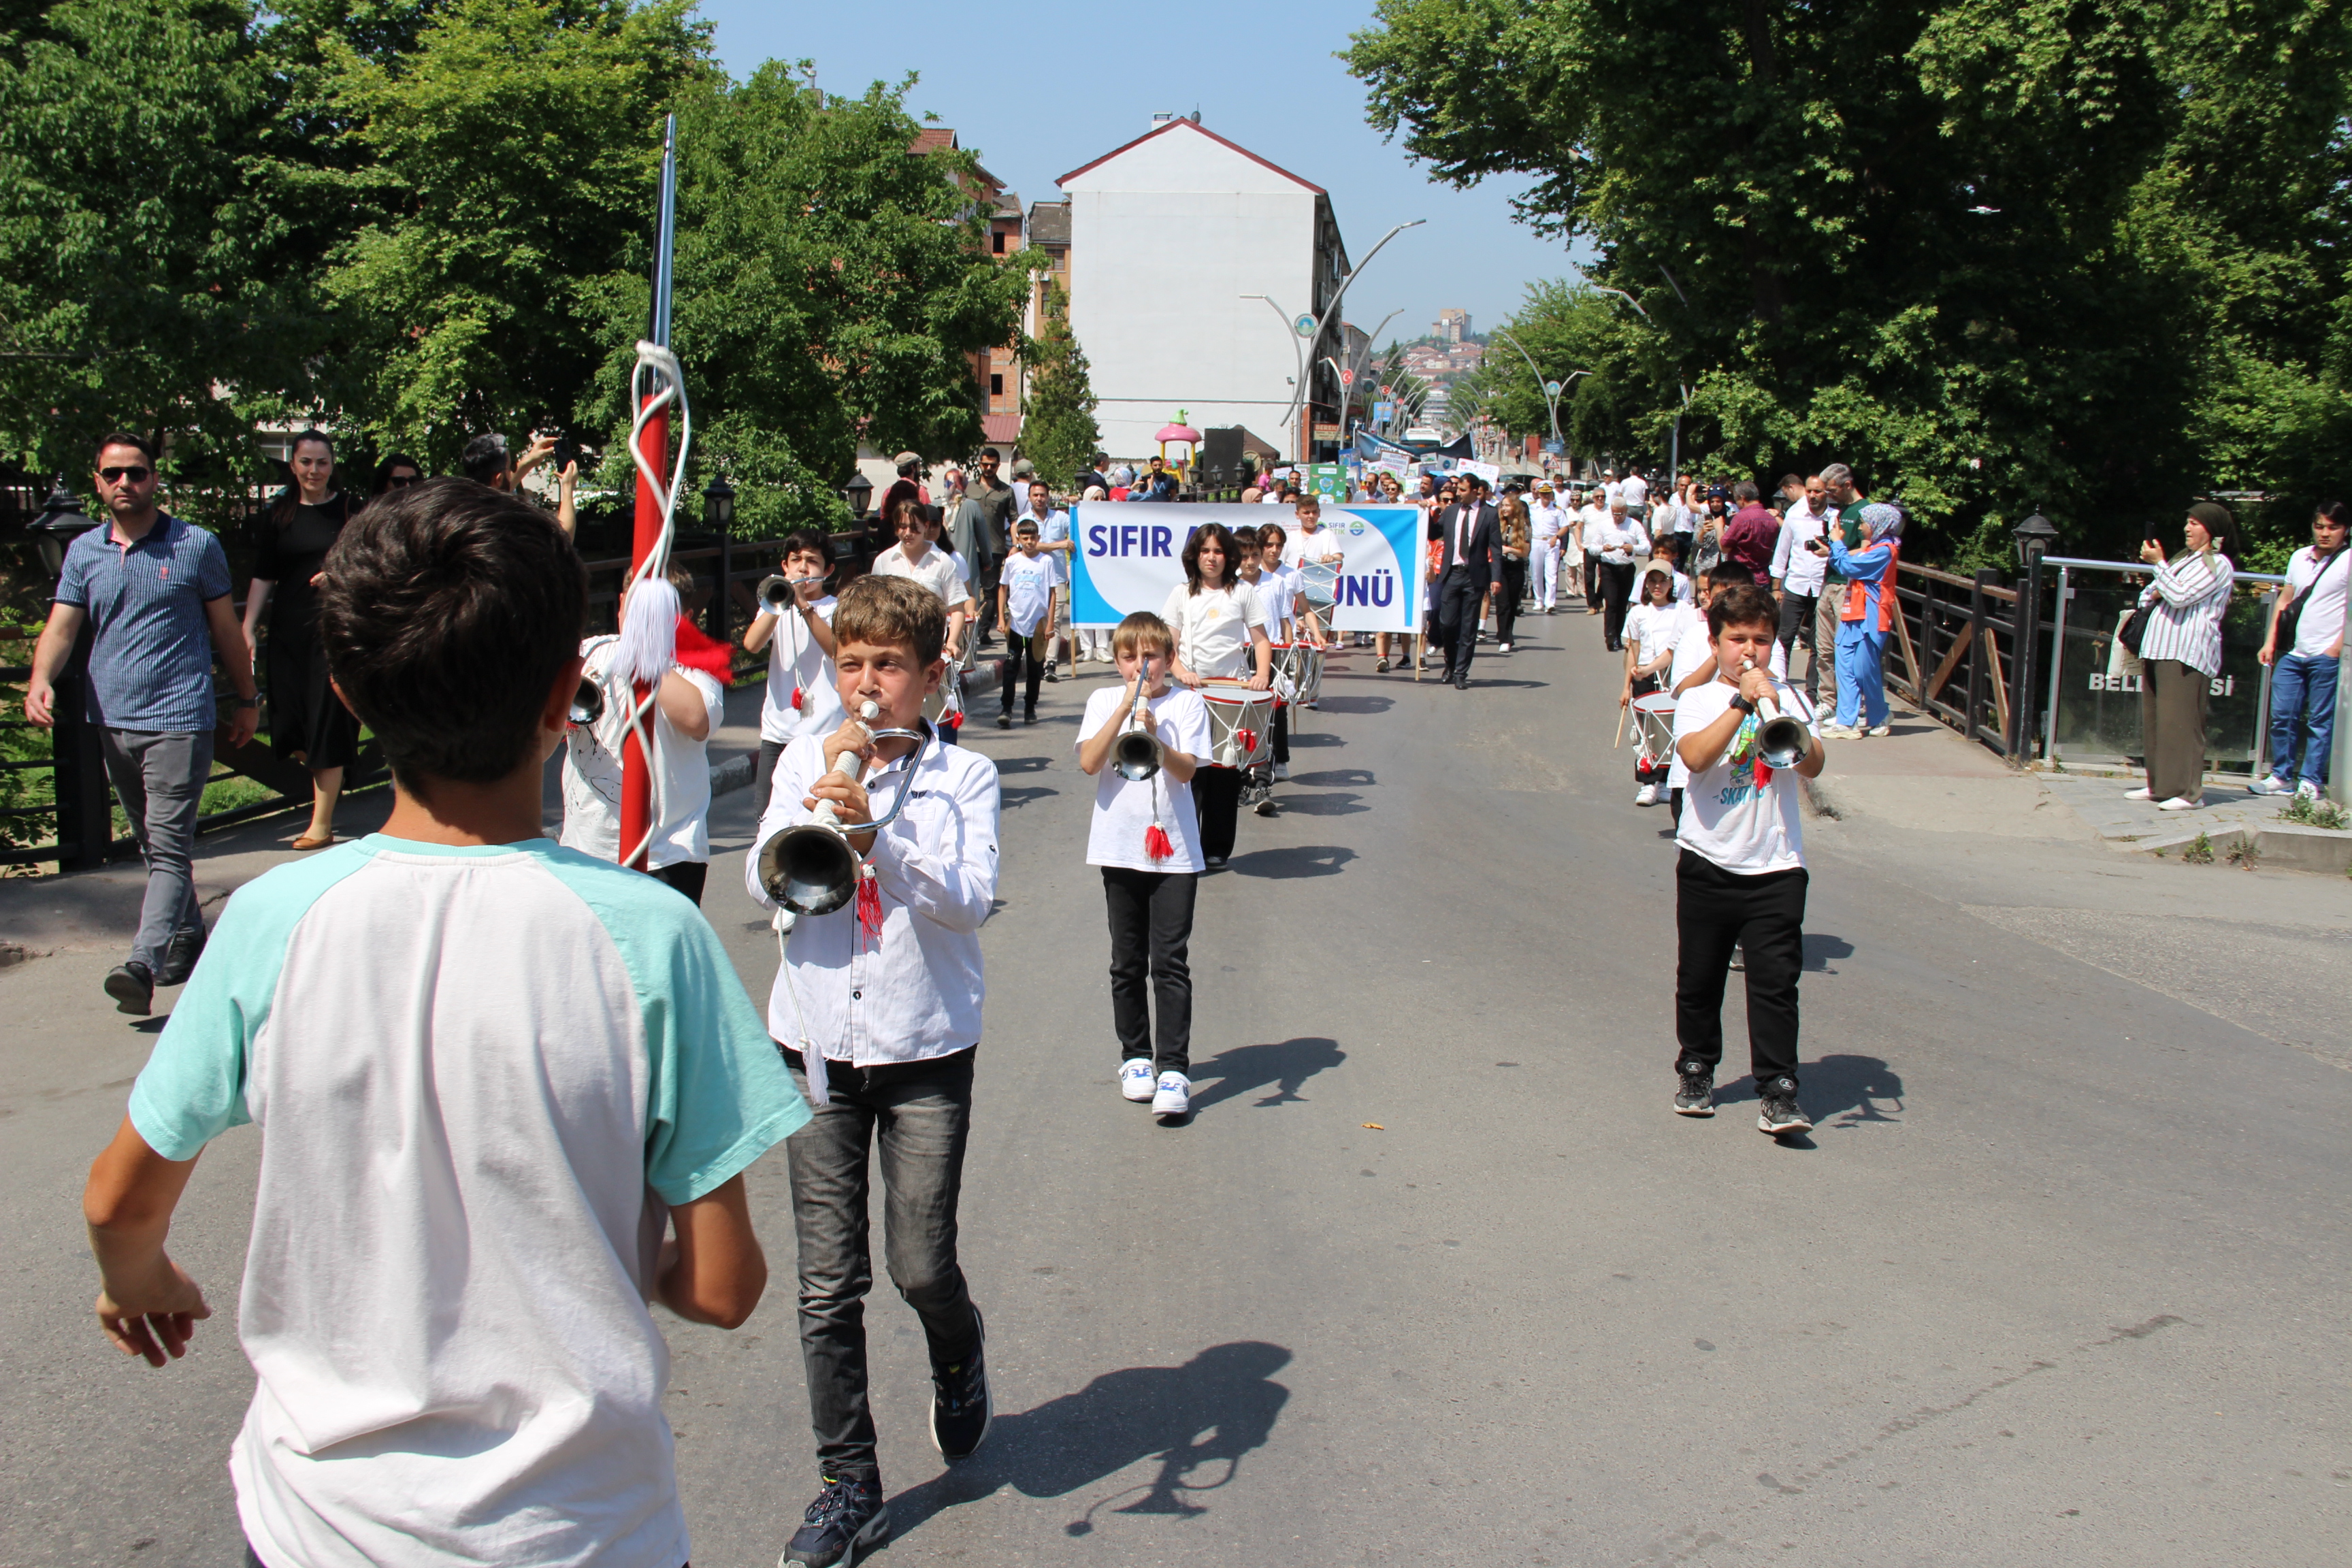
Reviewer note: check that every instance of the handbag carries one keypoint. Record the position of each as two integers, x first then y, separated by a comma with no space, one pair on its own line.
2283,639
2132,630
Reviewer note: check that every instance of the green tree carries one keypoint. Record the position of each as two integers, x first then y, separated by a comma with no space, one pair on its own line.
1058,432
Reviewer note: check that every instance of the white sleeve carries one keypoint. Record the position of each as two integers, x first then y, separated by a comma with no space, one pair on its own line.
1781,548
959,889
796,772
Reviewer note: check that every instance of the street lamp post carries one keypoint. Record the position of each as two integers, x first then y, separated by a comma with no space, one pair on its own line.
2035,537
1310,328
1551,389
719,517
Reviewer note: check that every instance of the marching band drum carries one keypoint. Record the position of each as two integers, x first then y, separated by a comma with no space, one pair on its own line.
1653,727
1299,673
1241,723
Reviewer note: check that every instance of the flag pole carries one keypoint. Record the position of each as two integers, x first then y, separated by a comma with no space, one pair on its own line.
652,446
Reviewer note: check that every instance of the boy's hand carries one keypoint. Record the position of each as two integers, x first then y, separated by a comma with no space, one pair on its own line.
156,1317
851,738
848,798
1756,685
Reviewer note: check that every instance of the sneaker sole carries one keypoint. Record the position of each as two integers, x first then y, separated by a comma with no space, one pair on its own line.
127,997
1707,1110
873,1538
1783,1129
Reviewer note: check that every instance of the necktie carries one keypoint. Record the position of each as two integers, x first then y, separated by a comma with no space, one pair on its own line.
1462,537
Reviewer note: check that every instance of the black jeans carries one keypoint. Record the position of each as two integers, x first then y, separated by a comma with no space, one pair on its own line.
1282,733
1716,910
1151,930
1030,651
1592,582
687,877
920,1115
1617,592
1460,593
1798,612
1216,803
763,782
1507,602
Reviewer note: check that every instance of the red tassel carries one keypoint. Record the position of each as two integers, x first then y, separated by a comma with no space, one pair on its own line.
798,695
869,906
696,651
954,721
1156,844
1763,776
1246,740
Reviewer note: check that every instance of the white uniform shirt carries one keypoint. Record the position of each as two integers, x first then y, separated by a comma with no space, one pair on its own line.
1125,810
917,991
1694,647
1744,823
1798,570
1213,628
797,665
1596,520
1301,548
1274,596
1544,523
937,571
2322,621
1028,583
592,771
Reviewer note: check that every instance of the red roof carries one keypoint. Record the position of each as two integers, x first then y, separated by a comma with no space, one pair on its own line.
1000,427
1196,126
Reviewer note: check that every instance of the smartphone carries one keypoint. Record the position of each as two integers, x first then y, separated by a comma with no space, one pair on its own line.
567,452
2151,535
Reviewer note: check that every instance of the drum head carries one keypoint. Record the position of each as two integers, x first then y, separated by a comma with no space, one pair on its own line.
1655,702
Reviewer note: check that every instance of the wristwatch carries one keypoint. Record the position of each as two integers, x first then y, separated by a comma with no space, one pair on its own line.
1739,700
246,702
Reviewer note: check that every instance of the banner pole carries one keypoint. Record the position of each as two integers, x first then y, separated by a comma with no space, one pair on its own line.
637,770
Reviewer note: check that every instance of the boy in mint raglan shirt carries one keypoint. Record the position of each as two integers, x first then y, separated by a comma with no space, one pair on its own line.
508,1094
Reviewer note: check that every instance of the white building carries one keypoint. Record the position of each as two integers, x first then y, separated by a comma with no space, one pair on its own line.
1170,237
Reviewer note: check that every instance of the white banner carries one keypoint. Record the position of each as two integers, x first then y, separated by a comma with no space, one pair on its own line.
1130,555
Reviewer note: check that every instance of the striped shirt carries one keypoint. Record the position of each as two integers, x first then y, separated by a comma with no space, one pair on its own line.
2190,595
150,663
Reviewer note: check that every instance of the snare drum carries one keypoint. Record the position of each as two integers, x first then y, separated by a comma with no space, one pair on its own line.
1299,673
1653,727
1318,585
1241,723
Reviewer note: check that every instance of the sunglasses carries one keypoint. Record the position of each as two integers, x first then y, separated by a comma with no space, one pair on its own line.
397,480
136,475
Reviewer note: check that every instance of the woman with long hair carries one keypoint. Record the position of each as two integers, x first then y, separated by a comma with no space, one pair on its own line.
397,472
308,723
2180,653
1219,629
1518,540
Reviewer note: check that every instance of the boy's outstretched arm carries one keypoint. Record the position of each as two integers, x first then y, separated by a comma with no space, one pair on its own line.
714,1271
145,1304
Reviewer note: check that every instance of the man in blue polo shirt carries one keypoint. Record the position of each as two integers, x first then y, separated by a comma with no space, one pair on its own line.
156,592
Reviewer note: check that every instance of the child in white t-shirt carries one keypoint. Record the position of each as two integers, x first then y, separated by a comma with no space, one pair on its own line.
800,698
1652,631
1147,840
1741,877
1263,547
690,705
1025,601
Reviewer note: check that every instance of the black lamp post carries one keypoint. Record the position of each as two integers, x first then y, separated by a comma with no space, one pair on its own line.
2035,537
60,524
859,493
718,505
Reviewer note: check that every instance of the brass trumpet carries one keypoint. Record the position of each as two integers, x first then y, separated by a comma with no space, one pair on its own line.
1137,753
777,593
1782,738
587,704
811,868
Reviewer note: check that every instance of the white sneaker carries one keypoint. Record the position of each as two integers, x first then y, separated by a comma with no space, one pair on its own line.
1175,1096
1839,733
1135,1078
2182,802
1882,730
2142,793
2271,785
2307,790
1646,795
1282,772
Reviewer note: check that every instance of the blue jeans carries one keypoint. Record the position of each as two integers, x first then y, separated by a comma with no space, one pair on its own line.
159,776
1861,674
2303,716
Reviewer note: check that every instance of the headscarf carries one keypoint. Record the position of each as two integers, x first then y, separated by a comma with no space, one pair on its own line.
1882,520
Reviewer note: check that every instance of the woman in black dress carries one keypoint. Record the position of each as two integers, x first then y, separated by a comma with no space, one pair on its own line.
308,723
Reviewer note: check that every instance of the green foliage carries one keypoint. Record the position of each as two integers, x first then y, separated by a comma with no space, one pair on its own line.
2199,850
1994,253
1058,432
2322,812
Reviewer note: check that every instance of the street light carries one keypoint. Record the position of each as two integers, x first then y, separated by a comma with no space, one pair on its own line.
718,505
1551,389
2035,537
60,524
1309,329
858,492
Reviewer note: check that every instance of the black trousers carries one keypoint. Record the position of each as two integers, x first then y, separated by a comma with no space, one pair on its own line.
1507,602
1150,930
1282,733
1798,613
1216,803
687,876
1592,582
1716,910
1028,651
1617,592
1460,594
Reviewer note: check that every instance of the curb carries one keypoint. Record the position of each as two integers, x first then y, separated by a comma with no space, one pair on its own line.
2278,846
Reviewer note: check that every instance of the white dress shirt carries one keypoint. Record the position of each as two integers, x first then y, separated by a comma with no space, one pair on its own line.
1797,569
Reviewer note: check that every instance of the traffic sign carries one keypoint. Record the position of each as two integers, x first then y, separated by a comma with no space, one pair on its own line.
1551,389
1555,448
1347,378
1306,325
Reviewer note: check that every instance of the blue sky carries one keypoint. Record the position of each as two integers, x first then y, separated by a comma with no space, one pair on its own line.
1040,89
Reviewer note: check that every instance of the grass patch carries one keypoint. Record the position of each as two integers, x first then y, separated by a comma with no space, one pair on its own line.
2245,854
2198,851
2316,813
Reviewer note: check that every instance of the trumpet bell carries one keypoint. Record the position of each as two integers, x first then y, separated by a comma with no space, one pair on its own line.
1136,755
587,704
810,868
1783,742
776,592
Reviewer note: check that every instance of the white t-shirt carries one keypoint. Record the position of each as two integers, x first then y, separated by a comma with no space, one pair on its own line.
481,1074
798,666
1744,823
1213,628
1124,809
937,571
2322,607
1654,629
592,772
1028,583
1274,595
1301,548
1693,647
1596,519
1637,492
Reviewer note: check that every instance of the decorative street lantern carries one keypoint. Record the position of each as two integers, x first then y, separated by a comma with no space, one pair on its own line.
858,492
60,524
2035,537
719,506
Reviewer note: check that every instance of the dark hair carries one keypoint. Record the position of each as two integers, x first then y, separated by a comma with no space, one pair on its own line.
281,509
805,541
1796,479
484,458
899,509
1029,523
2335,511
1274,529
1207,533
448,612
122,438
1742,605
1745,492
887,610
1729,574
305,438
397,460
1245,536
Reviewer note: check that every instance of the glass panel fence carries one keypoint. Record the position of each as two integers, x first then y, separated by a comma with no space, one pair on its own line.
2095,716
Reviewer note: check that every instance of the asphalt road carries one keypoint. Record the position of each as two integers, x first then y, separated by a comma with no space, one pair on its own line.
1433,1275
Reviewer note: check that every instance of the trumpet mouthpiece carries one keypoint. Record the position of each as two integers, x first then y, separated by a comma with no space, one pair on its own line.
868,712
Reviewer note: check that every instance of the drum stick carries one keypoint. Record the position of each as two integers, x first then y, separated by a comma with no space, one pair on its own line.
1620,730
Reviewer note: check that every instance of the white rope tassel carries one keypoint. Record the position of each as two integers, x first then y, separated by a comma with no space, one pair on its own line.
648,643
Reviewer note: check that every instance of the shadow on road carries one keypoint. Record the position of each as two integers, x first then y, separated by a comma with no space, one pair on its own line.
1355,704
1299,860
1336,778
1286,1065
1819,948
1852,1088
1205,1414
1022,764
1297,741
1340,803
1020,796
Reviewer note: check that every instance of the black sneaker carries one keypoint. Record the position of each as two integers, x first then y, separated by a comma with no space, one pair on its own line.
847,1521
1697,1096
961,1408
1028,715
1780,1114
132,987
180,957
1051,672
1005,720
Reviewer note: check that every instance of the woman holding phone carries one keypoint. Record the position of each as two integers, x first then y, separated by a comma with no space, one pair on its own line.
2181,654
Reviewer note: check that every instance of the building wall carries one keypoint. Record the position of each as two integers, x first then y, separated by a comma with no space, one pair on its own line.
1165,239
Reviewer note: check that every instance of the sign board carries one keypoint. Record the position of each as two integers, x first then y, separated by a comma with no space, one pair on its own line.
1306,326
1328,432
1551,389
1328,481
1130,557
1555,448
1347,378
1383,412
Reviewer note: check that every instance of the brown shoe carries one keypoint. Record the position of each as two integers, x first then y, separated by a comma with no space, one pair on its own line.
307,843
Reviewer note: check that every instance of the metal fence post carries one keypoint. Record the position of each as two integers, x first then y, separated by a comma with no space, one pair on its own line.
2024,638
1978,633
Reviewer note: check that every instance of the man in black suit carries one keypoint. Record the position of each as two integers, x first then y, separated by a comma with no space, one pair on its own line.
1469,567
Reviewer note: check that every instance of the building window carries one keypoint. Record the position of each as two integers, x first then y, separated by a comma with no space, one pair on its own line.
995,386
996,242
